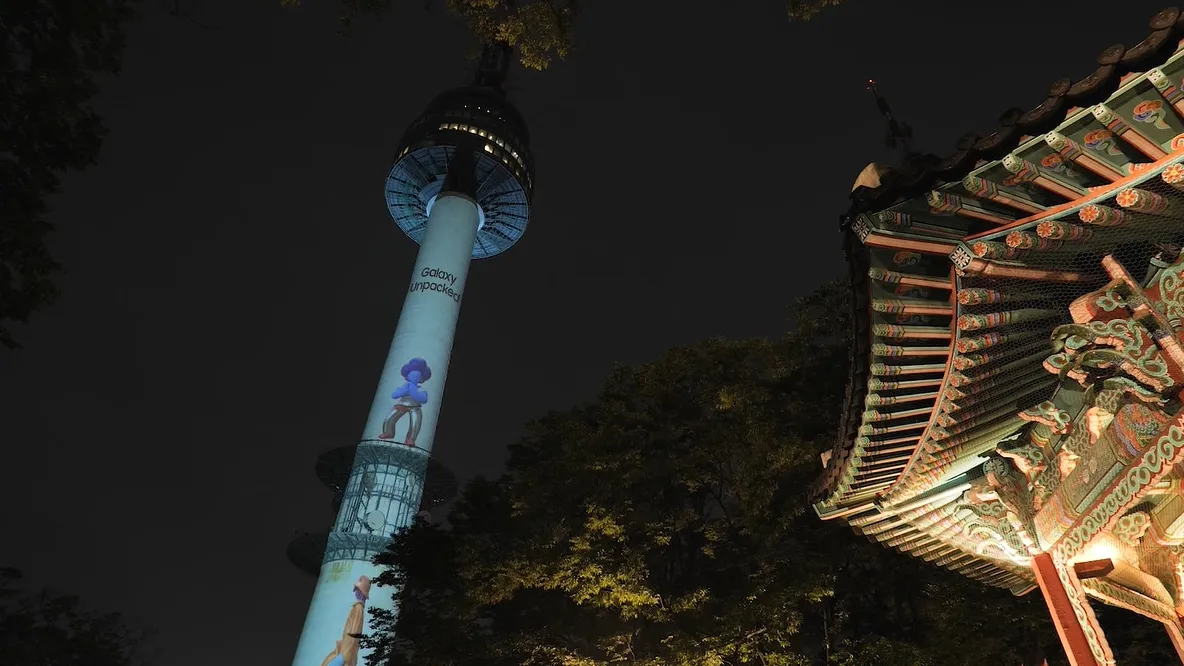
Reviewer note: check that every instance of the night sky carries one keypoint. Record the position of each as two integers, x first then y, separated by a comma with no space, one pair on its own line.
234,278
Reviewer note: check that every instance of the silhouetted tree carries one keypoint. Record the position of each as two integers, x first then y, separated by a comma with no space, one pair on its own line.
54,50
47,629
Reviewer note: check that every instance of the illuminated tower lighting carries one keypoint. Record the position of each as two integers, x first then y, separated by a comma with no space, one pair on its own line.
461,188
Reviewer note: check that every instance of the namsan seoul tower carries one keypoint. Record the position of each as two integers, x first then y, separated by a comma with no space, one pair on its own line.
461,188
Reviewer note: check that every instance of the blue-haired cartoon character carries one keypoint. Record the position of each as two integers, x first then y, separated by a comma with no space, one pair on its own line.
409,397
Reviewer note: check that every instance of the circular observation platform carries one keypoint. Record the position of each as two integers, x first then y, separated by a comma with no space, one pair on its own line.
481,121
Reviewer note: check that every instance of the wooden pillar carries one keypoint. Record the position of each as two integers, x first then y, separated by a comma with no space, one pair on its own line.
1081,635
1177,636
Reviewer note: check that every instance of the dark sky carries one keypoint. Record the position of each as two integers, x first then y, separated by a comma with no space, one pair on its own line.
234,277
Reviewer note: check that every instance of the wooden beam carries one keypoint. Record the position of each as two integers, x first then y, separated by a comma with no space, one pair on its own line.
988,268
896,277
1120,128
1093,568
1081,635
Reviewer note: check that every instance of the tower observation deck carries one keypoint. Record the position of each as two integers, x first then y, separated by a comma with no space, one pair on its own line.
476,121
461,188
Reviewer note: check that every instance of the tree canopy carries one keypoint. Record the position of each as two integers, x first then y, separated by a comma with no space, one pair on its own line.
54,52
804,10
48,629
666,522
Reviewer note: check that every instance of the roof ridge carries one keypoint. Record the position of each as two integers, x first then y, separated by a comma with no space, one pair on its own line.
918,173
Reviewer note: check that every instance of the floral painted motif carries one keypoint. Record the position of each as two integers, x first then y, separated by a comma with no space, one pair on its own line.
1126,344
1110,301
1156,462
1152,112
1131,527
906,258
1171,292
907,319
1102,140
1050,415
1134,427
1058,164
1020,181
911,291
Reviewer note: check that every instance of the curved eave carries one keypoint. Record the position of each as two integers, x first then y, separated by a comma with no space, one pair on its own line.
994,205
1007,308
858,262
932,532
919,410
901,347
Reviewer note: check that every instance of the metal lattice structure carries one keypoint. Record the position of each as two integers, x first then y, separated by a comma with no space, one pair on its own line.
396,482
383,491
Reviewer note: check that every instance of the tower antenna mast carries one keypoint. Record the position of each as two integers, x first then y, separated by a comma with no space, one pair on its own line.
494,66
899,134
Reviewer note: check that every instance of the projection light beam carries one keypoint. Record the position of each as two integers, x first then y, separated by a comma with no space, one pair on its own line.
461,188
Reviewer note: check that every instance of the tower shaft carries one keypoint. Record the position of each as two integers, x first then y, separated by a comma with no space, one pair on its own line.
385,485
427,324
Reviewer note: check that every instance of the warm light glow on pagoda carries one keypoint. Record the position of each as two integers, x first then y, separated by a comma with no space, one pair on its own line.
1100,549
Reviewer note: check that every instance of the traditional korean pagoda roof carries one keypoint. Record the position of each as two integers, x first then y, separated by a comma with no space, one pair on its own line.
962,266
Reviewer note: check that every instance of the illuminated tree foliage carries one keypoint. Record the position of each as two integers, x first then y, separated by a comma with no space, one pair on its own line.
804,10
46,629
666,523
53,52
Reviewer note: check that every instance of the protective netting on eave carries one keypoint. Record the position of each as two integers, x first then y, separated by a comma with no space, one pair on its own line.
901,344
943,366
1014,286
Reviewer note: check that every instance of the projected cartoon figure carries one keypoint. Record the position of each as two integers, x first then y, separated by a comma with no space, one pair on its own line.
409,397
346,652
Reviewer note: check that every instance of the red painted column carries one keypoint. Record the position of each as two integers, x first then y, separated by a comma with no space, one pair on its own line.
1081,635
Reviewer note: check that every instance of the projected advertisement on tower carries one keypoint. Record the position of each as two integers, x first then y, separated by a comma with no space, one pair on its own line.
402,421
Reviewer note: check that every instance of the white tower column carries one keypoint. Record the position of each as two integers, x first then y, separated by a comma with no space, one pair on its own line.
385,485
427,324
